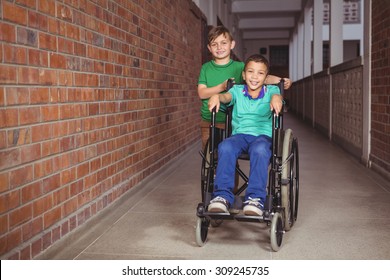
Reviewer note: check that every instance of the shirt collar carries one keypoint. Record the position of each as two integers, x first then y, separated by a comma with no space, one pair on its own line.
261,95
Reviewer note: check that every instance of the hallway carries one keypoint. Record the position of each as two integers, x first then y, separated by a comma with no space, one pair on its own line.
343,214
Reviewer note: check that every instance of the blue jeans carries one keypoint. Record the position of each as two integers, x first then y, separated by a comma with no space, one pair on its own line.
259,150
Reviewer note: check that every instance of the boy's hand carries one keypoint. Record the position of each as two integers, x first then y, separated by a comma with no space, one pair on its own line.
287,83
214,102
276,103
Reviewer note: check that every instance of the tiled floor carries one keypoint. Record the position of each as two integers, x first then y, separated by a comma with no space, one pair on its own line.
344,214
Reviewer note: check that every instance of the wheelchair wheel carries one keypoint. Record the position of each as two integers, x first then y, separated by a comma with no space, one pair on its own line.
277,231
201,230
294,182
216,223
287,191
205,169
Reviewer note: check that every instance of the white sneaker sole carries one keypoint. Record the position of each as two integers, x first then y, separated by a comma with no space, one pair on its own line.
251,210
217,207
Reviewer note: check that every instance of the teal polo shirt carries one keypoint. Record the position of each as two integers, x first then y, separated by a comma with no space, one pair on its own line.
252,116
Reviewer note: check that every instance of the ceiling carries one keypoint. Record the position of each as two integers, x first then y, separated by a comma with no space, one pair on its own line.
266,19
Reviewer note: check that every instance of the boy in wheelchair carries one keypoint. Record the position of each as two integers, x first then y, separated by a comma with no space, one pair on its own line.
253,106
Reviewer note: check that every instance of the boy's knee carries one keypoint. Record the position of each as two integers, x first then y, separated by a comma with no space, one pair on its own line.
225,146
261,150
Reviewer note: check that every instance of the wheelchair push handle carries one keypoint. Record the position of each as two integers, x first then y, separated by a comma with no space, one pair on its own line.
281,86
230,83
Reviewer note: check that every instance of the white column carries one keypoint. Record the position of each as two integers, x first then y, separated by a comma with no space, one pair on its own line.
295,57
300,50
367,84
307,42
317,36
336,32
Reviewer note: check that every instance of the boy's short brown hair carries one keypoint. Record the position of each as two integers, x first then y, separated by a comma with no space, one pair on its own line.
217,31
257,58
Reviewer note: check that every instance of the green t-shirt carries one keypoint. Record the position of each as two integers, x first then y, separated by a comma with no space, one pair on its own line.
213,74
252,116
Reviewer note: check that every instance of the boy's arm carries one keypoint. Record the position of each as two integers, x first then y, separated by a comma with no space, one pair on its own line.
276,103
216,100
273,80
205,92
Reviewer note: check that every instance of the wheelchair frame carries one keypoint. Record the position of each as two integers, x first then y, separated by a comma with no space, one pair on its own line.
281,206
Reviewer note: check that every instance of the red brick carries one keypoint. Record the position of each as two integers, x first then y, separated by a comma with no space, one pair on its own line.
51,217
9,158
41,132
68,175
14,239
30,153
37,58
70,206
39,95
27,36
27,3
57,61
65,78
51,183
28,75
19,137
4,224
14,13
7,74
17,96
50,148
15,55
31,191
4,181
25,253
42,205
20,215
47,77
36,246
90,180
21,176
82,170
46,240
7,32
3,139
61,195
9,201
66,46
2,94
29,115
43,168
47,41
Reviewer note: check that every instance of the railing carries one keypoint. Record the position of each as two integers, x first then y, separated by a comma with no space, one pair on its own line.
332,102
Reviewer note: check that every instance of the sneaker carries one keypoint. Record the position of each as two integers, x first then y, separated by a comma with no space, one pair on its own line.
253,207
219,205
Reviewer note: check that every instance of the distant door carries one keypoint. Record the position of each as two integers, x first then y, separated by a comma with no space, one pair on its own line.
279,59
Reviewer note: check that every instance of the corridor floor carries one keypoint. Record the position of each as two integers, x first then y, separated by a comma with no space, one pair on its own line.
344,213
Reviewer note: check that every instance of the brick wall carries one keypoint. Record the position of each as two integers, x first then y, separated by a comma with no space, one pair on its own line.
94,97
380,99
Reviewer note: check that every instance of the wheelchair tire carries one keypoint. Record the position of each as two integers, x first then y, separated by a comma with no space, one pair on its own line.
294,174
277,231
205,170
287,191
201,230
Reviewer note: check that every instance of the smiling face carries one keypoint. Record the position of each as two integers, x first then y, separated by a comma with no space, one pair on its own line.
254,75
220,48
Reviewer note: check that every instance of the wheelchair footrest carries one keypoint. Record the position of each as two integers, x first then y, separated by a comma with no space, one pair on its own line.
244,218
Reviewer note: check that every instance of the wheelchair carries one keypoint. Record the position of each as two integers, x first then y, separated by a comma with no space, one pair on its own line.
281,205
